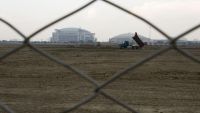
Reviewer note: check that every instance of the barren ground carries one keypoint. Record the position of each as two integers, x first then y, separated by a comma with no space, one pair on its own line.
30,83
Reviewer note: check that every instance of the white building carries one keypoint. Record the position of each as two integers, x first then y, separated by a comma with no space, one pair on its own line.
128,37
73,35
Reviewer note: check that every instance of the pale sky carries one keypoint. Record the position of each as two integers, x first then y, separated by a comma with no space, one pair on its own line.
172,16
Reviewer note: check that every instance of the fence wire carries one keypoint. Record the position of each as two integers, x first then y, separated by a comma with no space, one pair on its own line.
99,87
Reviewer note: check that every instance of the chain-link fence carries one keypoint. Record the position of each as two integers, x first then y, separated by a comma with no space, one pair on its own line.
98,90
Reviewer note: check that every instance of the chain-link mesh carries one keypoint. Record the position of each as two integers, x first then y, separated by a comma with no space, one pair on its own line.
98,90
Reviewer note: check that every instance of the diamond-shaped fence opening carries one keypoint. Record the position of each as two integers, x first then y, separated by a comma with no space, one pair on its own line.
99,90
86,56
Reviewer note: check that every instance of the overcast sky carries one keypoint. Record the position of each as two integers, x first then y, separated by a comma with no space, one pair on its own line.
172,16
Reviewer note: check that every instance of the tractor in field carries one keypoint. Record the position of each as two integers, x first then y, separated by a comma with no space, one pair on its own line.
139,42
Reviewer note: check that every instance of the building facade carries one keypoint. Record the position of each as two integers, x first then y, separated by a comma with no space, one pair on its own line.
73,35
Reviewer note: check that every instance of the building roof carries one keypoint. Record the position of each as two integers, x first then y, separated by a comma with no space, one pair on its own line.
129,36
72,29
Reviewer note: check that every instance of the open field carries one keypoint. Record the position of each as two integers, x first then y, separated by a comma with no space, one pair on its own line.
30,83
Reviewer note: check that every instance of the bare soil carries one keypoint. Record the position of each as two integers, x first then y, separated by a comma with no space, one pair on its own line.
31,83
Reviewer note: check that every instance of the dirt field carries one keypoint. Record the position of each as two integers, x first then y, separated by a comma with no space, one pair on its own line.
30,83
